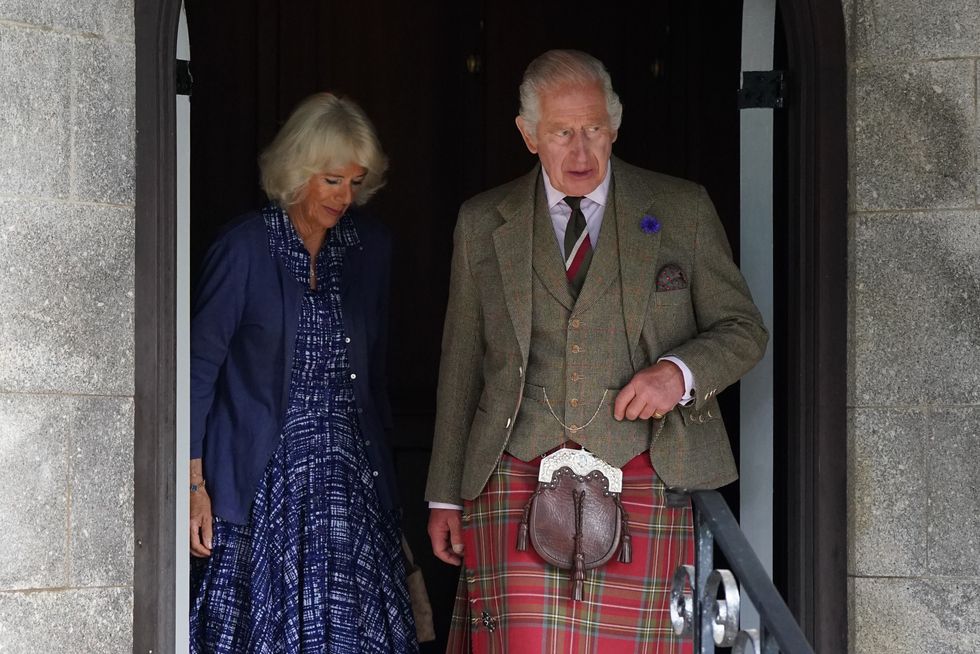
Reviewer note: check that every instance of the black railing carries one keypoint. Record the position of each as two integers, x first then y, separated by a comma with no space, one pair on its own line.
699,612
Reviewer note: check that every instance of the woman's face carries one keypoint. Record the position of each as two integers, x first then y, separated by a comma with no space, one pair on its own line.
328,194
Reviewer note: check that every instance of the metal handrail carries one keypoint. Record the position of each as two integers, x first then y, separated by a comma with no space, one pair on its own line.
696,609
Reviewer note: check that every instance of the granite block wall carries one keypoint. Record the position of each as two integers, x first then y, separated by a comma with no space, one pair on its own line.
914,341
66,325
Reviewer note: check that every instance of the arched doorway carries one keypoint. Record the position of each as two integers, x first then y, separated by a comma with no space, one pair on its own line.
814,363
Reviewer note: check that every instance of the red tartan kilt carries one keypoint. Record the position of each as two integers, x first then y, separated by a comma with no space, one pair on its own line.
513,602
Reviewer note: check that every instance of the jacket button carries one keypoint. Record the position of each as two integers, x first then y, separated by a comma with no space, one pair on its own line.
576,323
374,474
347,339
576,349
353,375
573,401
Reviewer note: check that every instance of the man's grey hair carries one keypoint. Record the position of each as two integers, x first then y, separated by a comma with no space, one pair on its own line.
556,68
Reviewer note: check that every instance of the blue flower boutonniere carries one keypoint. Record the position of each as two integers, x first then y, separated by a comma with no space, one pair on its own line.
650,224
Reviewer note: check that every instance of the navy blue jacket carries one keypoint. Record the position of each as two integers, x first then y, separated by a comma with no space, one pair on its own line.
243,332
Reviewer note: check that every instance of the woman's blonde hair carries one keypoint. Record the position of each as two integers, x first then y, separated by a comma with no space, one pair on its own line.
324,132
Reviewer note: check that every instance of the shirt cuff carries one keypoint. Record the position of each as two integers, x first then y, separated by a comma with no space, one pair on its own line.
445,505
689,390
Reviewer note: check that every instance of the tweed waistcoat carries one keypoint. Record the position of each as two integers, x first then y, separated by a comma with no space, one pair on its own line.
579,355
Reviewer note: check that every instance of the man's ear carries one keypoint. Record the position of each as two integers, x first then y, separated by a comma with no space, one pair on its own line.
529,139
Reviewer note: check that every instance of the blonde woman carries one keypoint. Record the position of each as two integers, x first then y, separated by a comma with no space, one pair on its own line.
294,515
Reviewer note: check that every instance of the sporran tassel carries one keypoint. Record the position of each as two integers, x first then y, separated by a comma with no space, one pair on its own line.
625,550
578,571
625,541
522,529
578,577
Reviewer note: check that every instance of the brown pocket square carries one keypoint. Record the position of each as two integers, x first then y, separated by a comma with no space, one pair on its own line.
671,278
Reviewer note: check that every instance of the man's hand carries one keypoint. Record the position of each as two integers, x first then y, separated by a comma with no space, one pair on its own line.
446,534
651,393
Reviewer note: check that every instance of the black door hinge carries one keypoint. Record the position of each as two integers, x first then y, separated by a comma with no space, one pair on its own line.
184,78
762,88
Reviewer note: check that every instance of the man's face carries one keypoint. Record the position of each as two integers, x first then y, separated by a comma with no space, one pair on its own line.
573,138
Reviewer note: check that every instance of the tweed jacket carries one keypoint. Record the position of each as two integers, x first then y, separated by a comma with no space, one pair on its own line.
712,325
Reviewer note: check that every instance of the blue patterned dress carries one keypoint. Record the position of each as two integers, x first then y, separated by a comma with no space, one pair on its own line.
319,568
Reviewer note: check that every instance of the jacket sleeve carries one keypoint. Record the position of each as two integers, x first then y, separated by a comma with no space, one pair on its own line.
731,337
218,306
460,376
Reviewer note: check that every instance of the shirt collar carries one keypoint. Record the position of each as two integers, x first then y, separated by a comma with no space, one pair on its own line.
599,195
288,246
343,234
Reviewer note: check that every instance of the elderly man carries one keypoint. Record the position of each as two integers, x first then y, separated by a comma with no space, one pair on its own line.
592,305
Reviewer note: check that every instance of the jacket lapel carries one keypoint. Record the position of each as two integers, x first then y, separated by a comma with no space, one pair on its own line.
637,249
512,244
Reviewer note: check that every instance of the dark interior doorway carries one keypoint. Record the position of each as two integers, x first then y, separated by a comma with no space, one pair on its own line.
440,83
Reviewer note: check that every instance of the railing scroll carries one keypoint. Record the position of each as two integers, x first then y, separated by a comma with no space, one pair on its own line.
710,616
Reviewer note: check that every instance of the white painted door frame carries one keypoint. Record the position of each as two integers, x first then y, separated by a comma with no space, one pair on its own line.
756,262
182,296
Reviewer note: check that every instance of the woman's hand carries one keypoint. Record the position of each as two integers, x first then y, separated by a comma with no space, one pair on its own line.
201,523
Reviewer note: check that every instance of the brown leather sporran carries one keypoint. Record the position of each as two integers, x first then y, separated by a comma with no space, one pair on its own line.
575,522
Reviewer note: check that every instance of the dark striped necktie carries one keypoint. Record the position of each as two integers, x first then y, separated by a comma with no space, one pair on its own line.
578,246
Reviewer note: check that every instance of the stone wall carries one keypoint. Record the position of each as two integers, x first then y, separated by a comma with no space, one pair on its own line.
67,99
914,393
